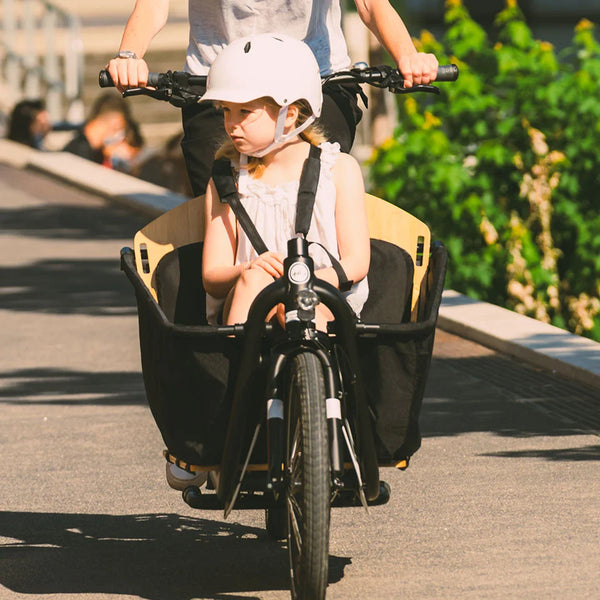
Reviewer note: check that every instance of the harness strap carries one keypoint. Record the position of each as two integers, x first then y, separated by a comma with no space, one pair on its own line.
344,283
307,190
228,193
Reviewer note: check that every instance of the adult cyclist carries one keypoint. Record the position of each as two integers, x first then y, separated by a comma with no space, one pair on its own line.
214,24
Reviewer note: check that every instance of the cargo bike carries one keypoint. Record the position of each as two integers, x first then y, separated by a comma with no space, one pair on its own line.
291,420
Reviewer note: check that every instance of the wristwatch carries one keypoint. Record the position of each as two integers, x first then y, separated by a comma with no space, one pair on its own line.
125,54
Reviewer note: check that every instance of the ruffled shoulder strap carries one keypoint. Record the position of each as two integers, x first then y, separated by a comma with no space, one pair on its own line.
329,153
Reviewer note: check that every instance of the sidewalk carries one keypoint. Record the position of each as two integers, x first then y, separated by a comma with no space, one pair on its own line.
500,503
531,341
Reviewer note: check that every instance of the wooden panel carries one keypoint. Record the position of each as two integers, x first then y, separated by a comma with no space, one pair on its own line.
184,224
393,224
181,225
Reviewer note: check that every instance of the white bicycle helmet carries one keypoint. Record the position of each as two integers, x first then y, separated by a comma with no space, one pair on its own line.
267,65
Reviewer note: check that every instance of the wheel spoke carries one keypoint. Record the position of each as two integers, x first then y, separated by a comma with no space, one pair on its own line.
295,505
295,527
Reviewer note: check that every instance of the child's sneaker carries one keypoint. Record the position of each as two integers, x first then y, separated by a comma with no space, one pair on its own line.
179,479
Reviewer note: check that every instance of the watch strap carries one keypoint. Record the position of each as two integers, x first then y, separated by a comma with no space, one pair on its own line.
126,54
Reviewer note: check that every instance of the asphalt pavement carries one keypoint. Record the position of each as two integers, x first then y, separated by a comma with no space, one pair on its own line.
501,502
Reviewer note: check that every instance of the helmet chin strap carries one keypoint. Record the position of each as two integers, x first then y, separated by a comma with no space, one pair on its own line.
278,139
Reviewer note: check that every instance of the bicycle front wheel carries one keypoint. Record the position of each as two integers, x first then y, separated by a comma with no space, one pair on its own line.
308,479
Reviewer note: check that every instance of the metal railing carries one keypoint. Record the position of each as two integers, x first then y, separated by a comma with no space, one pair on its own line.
41,56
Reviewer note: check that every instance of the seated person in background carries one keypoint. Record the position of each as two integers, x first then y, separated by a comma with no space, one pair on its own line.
166,167
29,123
106,125
124,154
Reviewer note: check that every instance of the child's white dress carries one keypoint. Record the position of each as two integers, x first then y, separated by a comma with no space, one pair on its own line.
273,212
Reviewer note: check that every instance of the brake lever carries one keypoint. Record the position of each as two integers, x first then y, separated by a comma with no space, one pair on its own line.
181,98
389,79
158,94
430,89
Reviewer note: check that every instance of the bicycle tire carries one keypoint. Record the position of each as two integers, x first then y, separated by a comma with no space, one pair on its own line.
308,479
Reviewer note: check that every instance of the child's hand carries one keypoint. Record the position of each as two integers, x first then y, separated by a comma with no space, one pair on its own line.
269,262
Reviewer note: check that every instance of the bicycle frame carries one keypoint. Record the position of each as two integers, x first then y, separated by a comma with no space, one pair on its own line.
299,291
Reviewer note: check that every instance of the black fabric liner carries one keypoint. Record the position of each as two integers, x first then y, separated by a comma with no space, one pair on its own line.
188,380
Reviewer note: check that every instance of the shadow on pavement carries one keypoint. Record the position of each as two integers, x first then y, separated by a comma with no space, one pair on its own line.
583,453
85,287
63,387
495,394
65,222
151,556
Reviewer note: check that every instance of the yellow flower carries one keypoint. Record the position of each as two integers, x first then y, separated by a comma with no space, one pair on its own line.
387,144
431,120
584,25
518,160
410,105
427,37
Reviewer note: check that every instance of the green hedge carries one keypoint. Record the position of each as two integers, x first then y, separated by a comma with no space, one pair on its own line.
504,166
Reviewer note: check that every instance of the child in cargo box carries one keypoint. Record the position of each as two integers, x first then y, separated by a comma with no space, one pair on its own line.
270,90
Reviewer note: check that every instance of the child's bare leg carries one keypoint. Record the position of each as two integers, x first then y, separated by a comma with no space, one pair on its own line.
247,287
322,316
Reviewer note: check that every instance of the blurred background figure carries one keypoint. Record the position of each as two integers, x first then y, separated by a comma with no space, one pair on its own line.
124,154
165,167
109,126
29,123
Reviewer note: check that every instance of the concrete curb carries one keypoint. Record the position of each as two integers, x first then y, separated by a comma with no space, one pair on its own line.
524,338
140,195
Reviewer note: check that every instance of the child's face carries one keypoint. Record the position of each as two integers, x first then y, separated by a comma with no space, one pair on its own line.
250,125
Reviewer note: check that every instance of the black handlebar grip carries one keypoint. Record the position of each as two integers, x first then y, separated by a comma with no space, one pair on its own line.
155,79
447,73
104,79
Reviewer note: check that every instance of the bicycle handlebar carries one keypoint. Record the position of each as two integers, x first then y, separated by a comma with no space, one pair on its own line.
447,73
157,79
365,75
180,88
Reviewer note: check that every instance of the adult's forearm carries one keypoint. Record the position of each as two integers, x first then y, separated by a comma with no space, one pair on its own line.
146,20
385,23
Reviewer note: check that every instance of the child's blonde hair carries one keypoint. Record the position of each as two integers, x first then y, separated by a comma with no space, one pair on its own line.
313,134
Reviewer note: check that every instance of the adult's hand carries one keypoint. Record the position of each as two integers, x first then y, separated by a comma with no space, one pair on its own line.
128,72
418,68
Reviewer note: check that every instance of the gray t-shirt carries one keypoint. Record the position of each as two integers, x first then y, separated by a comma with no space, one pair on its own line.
216,23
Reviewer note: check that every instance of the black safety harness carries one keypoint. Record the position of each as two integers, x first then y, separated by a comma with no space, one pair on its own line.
309,180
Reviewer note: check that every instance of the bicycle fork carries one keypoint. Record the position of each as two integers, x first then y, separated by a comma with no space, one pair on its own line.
276,419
